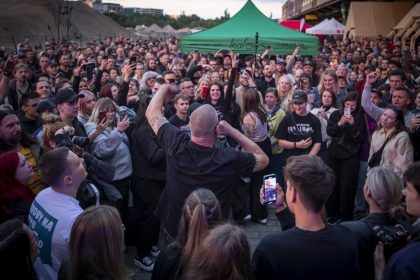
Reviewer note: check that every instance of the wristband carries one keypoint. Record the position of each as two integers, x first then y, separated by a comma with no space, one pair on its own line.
7,74
295,145
120,131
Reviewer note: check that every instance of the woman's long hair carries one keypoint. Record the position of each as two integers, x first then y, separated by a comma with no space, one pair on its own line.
333,96
201,211
103,104
11,189
106,91
220,101
400,126
141,117
52,124
15,250
223,254
385,187
252,104
351,96
96,246
146,76
82,102
332,74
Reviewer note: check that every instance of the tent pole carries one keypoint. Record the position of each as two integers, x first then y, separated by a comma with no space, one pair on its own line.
256,48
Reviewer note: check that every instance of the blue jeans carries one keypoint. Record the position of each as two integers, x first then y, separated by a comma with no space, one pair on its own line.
360,204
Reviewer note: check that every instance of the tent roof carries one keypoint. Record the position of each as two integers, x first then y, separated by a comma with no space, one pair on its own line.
294,24
154,27
238,34
415,11
328,26
168,28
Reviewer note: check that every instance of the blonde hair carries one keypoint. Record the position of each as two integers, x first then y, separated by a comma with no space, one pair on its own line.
289,93
52,123
321,81
103,104
97,245
82,102
386,187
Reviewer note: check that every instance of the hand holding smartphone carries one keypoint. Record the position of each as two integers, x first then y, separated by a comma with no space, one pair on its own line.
101,116
270,193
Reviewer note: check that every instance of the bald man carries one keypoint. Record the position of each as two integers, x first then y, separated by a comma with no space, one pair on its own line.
194,163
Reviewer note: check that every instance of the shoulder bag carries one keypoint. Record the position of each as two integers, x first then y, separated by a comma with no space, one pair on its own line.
375,160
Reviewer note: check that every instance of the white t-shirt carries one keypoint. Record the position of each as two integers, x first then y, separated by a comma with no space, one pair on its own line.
52,216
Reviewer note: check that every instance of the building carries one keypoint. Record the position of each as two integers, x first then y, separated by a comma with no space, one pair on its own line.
132,10
316,11
150,11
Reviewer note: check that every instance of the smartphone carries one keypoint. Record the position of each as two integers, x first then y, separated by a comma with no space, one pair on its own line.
133,60
101,116
347,112
308,135
334,62
204,91
89,72
297,45
122,113
270,192
268,47
105,57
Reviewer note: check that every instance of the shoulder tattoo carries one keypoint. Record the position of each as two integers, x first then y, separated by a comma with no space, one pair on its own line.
246,128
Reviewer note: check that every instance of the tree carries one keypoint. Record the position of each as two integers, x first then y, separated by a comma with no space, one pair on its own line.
62,11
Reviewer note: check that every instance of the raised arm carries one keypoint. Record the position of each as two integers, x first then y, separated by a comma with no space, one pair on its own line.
154,111
229,90
5,81
261,159
371,109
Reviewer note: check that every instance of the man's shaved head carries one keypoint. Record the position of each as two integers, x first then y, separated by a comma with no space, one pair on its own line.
203,121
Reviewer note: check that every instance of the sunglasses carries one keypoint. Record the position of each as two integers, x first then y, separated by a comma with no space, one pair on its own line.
151,78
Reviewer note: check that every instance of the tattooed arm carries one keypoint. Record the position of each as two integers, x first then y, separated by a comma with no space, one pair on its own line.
261,159
248,126
154,110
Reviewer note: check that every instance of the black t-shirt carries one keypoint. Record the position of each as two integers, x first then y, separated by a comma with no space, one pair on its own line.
295,132
330,253
176,121
190,167
68,74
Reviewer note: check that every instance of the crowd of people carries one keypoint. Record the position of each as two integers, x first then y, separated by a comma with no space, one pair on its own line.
191,136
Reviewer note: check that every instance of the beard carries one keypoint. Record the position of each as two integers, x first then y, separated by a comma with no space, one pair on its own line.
14,140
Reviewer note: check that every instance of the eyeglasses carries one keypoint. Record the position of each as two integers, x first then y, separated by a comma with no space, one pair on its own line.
188,87
36,237
151,78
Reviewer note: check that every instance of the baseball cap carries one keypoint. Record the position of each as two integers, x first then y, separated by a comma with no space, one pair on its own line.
44,105
377,91
59,74
66,95
51,63
370,66
22,55
281,61
299,97
307,62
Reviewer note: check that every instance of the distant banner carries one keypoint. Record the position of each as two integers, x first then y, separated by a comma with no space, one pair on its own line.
298,6
290,7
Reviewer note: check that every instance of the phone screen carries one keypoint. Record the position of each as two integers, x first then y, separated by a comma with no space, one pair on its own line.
204,91
122,114
102,116
89,72
270,192
133,59
346,111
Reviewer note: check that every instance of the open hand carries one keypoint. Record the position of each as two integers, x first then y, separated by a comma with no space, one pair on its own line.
279,204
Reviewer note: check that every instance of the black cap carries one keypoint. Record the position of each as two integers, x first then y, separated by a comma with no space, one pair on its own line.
281,61
299,97
377,91
308,62
66,95
45,104
22,55
370,66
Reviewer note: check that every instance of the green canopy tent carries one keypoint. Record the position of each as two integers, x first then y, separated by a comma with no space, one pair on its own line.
238,34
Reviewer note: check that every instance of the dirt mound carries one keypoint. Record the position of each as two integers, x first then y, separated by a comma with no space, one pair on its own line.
31,18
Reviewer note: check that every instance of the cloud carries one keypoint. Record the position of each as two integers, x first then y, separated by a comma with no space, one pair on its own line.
207,8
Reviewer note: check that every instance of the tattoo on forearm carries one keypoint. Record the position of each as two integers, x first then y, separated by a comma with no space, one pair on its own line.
257,150
246,128
256,162
157,122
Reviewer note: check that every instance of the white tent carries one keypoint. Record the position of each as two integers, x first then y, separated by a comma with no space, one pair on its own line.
327,27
